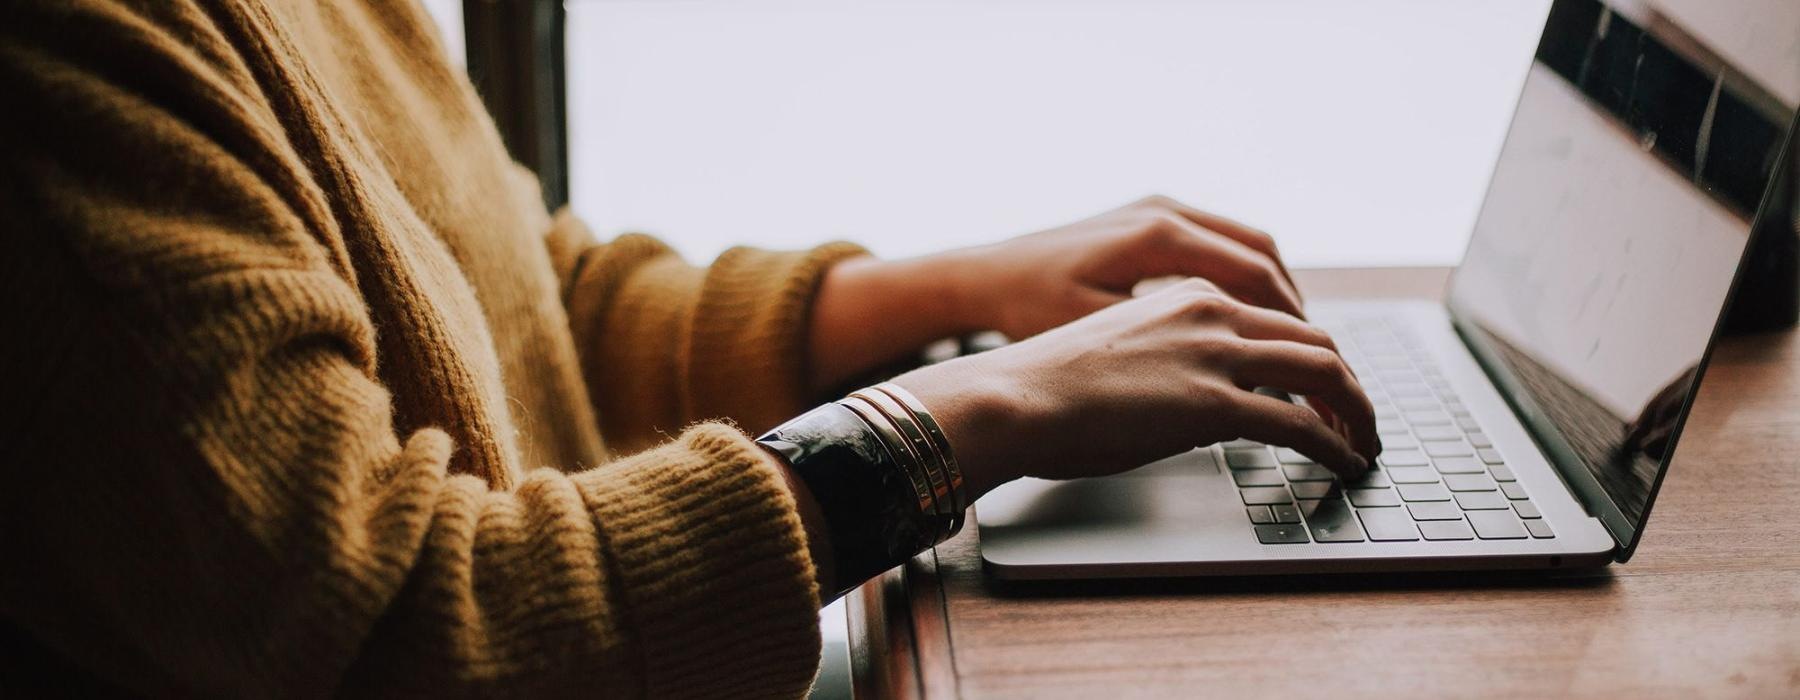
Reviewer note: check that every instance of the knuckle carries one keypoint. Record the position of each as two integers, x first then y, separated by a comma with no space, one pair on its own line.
1264,240
1207,304
1324,340
1208,394
1322,362
1224,353
1267,273
1157,201
1158,230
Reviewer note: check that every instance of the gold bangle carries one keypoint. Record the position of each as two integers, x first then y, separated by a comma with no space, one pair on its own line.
936,432
919,443
907,408
895,431
896,444
896,447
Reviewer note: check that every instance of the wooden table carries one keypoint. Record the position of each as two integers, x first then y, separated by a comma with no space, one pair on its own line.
1710,605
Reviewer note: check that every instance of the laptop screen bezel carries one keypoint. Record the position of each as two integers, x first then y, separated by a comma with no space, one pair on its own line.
1625,531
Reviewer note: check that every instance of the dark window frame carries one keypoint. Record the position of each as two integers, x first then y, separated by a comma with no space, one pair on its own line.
516,61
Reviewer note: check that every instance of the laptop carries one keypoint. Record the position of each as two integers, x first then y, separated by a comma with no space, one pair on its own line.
1528,421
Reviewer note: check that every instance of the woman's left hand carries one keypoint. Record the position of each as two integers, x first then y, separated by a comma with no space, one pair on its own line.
1036,282
870,312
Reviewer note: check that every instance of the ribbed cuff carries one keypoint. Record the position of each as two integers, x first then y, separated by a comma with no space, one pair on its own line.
712,563
750,357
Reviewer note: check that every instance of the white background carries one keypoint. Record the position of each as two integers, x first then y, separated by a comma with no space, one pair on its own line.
1359,133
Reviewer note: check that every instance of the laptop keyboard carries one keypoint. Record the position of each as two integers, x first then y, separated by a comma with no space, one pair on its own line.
1438,477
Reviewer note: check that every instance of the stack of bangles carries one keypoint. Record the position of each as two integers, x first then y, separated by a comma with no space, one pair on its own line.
883,474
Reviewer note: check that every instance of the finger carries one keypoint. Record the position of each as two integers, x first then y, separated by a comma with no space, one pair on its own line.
1256,239
1277,422
1258,323
1235,267
1321,376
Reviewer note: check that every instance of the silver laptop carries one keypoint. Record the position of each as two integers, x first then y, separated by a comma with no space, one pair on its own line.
1528,421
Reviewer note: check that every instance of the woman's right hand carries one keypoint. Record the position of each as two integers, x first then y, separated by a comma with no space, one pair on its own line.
1147,379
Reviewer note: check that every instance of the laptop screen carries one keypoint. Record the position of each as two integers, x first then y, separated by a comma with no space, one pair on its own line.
1644,141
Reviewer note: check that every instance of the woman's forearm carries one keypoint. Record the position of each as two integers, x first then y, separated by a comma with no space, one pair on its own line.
872,312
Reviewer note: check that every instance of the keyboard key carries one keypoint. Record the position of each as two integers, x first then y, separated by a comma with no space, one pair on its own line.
1490,455
1403,458
1427,417
1391,427
1414,493
1241,444
1480,439
1258,458
1467,422
1415,402
1333,521
1469,482
1281,534
1307,472
1285,513
1388,525
1539,529
1289,456
1513,490
1527,509
1257,477
1315,489
1260,515
1413,475
1373,498
1413,390
1458,465
1502,472
1436,510
1265,495
1430,433
1446,530
1449,449
1482,500
1496,525
1373,478
1399,442
1456,408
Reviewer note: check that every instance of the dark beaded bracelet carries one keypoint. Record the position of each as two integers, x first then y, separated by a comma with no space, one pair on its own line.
878,513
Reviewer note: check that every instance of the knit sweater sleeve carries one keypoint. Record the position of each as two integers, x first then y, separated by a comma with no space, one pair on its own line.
726,340
206,492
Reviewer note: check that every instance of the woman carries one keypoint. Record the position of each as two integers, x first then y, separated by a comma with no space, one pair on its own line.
310,395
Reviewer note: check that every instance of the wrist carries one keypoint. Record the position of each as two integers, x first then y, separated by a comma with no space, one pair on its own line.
944,291
966,285
980,416
872,312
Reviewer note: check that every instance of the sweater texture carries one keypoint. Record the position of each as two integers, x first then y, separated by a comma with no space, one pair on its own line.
307,394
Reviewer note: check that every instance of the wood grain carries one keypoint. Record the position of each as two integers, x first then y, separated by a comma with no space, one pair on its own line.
1710,606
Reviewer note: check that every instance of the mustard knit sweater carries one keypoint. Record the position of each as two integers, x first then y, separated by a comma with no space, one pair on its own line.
304,392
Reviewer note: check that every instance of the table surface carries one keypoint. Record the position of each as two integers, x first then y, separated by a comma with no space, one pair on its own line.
1709,606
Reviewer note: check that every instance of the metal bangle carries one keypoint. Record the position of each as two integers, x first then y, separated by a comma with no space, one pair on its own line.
902,451
920,444
948,491
935,431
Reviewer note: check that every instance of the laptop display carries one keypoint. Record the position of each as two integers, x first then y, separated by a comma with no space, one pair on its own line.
1645,139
